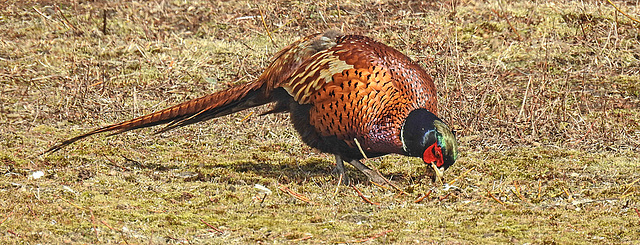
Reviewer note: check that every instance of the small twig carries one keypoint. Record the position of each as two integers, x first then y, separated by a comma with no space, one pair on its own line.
379,185
73,204
628,188
13,233
301,239
423,197
585,134
247,116
31,211
360,148
180,240
266,28
296,195
339,183
539,188
96,84
49,77
5,218
584,34
398,195
568,194
623,13
524,101
212,227
363,197
444,197
462,175
374,236
95,227
119,231
40,13
599,200
263,198
508,22
241,42
65,19
494,198
516,191
108,226
132,161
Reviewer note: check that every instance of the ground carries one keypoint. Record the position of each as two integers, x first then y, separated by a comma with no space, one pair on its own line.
544,97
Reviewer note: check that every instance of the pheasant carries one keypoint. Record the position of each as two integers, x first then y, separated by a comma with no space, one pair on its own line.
347,95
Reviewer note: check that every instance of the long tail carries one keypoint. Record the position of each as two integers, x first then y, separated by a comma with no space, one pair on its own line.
228,101
207,107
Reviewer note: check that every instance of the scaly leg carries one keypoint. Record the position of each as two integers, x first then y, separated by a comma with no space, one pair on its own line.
370,173
340,171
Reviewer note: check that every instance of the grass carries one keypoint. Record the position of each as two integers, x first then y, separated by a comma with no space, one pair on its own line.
544,97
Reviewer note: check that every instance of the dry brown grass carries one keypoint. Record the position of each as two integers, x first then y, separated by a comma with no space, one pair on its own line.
544,96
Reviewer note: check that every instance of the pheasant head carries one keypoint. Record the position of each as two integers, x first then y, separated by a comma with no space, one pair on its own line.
425,135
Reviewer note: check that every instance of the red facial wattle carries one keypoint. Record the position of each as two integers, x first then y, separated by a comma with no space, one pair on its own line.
433,153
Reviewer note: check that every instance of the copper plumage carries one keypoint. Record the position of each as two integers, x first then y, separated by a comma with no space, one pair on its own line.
339,89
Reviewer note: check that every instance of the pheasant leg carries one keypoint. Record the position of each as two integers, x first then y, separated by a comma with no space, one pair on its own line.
370,173
339,170
373,175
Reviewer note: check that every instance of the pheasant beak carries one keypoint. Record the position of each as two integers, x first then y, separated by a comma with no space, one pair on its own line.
439,173
433,156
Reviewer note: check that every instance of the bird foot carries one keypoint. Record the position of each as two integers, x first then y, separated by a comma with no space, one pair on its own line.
343,178
375,176
372,175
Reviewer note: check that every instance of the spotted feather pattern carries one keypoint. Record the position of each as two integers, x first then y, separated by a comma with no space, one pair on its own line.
338,88
362,89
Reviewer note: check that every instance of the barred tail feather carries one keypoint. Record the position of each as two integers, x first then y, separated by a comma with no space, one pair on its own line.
204,108
235,99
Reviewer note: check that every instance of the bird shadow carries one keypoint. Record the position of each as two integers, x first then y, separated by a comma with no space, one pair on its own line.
254,171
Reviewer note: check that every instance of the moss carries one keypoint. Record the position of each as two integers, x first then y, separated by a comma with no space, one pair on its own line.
629,85
573,181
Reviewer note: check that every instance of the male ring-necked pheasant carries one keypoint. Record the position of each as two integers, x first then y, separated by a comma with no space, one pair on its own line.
346,94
